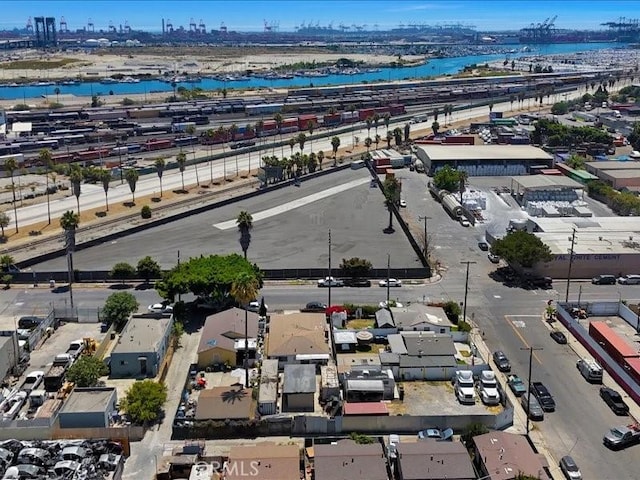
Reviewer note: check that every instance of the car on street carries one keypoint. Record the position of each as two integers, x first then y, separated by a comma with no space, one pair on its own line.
569,468
604,280
464,222
516,385
393,282
484,246
437,434
330,282
392,303
160,308
501,361
314,307
493,258
614,400
558,336
356,282
10,268
531,406
255,306
544,397
403,203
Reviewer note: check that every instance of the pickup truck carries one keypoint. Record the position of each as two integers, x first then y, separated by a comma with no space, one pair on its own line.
543,395
75,348
516,385
622,437
330,282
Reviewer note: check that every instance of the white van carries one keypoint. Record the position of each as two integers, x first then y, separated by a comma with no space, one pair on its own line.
629,280
590,370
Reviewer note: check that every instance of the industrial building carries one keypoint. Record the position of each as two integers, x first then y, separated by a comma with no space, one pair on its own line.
602,245
619,175
483,160
141,347
89,407
549,195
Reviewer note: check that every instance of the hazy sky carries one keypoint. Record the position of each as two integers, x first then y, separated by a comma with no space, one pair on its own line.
249,15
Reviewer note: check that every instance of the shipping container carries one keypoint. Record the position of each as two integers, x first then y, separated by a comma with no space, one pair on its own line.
144,113
18,157
158,144
365,113
397,109
182,141
330,120
611,342
106,115
62,158
182,127
261,109
304,120
632,367
460,140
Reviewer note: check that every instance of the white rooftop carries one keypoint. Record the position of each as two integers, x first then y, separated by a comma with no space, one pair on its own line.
484,152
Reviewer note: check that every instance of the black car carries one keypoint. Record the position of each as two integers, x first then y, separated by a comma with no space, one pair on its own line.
604,280
614,400
544,397
484,246
501,361
356,282
559,337
314,307
29,322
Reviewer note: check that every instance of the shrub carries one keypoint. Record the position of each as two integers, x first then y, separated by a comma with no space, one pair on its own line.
452,310
146,212
127,101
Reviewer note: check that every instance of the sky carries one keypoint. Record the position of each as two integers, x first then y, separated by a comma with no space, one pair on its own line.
250,15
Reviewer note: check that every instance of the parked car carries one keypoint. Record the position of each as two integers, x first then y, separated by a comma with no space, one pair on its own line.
484,246
559,337
531,406
590,370
604,280
160,308
356,282
614,400
392,303
437,434
255,306
629,280
516,385
314,307
493,258
544,397
393,282
330,282
29,322
32,381
501,361
569,468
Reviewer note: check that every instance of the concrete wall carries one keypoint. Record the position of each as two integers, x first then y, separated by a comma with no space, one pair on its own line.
216,356
8,352
590,265
438,373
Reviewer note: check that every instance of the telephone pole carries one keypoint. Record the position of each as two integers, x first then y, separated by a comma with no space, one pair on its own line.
466,289
329,279
531,350
573,241
388,275
426,240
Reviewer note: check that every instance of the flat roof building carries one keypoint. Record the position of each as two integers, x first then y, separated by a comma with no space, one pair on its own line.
299,388
505,456
88,407
432,460
268,393
220,403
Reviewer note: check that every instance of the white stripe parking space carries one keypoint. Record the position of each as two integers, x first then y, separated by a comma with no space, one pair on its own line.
300,202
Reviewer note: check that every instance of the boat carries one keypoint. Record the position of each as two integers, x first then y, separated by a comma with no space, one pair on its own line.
43,84
108,80
70,82
130,80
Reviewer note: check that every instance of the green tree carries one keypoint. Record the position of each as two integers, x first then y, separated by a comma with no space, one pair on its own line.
301,139
4,221
75,177
148,268
388,139
118,307
391,192
355,267
10,166
122,271
369,123
320,158
160,165
634,136
244,289
335,144
86,371
7,279
144,400
576,161
435,126
208,278
452,310
560,108
69,223
245,224
105,178
522,248
367,143
473,430
361,439
447,179
132,179
177,330
386,119
181,158
6,261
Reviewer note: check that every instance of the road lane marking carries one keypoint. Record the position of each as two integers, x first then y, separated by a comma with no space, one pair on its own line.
520,336
300,202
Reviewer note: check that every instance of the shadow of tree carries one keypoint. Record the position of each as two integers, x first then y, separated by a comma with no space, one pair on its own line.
101,214
120,286
234,395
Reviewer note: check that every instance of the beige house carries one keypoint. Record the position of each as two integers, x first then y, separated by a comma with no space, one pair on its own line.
298,338
265,461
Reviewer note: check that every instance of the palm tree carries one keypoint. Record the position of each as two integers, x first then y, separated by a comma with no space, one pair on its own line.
181,158
391,191
132,178
69,223
278,119
57,92
245,224
105,178
369,122
435,126
233,130
386,118
11,166
376,119
75,177
368,142
160,164
320,158
310,125
244,289
389,138
335,144
259,130
292,143
45,158
377,140
302,138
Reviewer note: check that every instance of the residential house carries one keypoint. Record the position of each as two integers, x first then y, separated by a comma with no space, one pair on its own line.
329,383
142,347
264,461
432,460
88,407
222,339
504,456
418,317
345,340
371,385
346,460
299,388
268,393
221,403
298,338
422,355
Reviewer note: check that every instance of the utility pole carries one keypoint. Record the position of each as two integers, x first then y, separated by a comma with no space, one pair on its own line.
573,241
531,350
466,290
329,279
426,240
388,275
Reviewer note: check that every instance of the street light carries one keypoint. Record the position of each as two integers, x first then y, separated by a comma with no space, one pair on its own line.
531,350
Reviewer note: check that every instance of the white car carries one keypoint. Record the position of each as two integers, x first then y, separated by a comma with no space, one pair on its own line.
160,308
393,282
403,203
255,306
330,282
464,222
32,381
392,303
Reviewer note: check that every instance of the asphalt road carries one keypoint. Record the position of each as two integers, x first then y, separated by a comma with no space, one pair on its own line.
290,230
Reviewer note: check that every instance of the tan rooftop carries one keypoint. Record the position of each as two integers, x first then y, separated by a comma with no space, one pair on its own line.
349,461
222,329
266,461
297,334
220,403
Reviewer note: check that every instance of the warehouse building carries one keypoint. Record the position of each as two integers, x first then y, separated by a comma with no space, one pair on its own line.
619,175
89,407
549,195
483,160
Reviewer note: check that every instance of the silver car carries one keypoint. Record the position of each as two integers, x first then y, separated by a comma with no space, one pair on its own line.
534,409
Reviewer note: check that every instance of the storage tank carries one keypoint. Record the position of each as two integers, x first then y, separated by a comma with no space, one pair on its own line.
452,205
